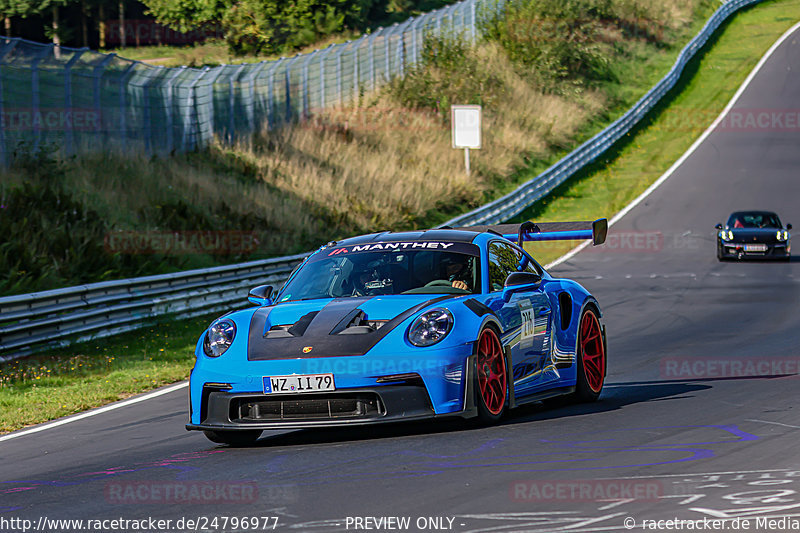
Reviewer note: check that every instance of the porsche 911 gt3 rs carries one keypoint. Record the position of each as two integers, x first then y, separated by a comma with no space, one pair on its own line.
402,326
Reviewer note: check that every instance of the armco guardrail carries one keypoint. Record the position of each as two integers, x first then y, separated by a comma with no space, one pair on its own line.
101,309
84,101
61,316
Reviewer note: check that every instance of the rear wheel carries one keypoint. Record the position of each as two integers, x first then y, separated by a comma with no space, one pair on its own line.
234,438
591,357
492,377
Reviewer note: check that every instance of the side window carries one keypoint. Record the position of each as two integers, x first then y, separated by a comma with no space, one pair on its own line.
503,260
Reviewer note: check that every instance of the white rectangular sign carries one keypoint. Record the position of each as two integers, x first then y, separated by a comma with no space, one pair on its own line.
466,126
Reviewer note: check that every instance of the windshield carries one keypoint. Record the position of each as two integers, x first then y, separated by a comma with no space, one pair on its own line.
386,268
754,220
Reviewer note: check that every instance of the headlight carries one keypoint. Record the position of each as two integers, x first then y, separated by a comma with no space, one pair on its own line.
783,235
726,235
431,327
219,338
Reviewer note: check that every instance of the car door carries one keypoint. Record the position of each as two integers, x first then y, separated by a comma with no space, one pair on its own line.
524,313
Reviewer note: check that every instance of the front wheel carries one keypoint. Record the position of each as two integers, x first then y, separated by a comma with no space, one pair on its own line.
591,357
492,377
234,438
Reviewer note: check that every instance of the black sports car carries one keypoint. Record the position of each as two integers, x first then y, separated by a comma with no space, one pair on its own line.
754,234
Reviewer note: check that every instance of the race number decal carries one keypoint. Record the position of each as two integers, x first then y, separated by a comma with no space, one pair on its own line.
527,330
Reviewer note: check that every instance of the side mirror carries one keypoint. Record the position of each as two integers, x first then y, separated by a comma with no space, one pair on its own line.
788,226
718,226
261,295
517,281
522,278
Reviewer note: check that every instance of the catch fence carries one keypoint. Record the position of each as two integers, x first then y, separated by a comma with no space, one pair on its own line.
77,100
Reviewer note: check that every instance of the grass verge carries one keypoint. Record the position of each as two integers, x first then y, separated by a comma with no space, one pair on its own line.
70,380
67,381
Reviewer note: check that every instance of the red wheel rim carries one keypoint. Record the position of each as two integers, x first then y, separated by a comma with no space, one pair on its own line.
491,372
593,351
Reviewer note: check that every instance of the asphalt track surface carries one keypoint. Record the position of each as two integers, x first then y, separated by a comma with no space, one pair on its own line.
667,440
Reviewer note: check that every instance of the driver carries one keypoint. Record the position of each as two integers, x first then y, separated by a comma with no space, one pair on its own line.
371,279
361,276
458,271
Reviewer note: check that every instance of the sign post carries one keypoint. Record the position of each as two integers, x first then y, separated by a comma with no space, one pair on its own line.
466,128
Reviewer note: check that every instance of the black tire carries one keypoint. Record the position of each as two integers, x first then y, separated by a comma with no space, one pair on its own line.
720,256
591,357
491,377
241,438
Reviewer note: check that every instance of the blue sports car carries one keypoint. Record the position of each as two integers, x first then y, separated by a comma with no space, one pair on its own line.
402,326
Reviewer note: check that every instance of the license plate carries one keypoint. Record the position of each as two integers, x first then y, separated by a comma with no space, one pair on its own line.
298,383
755,247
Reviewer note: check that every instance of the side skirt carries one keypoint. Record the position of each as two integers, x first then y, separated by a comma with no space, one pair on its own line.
544,395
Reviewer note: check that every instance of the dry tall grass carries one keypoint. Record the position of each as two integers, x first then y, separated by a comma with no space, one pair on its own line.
376,165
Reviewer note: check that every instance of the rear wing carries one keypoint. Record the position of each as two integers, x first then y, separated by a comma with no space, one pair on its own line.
549,231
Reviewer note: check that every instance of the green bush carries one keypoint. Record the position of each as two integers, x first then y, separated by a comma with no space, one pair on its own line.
450,73
555,43
56,239
277,26
556,39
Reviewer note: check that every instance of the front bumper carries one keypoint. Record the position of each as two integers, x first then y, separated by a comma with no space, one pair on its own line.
437,377
223,410
737,250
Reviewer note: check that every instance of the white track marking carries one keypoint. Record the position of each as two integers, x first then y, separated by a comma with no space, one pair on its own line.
696,474
94,412
558,261
773,423
572,253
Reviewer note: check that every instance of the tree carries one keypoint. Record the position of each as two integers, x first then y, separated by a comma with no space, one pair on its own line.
14,8
253,26
187,15
122,42
8,10
27,8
